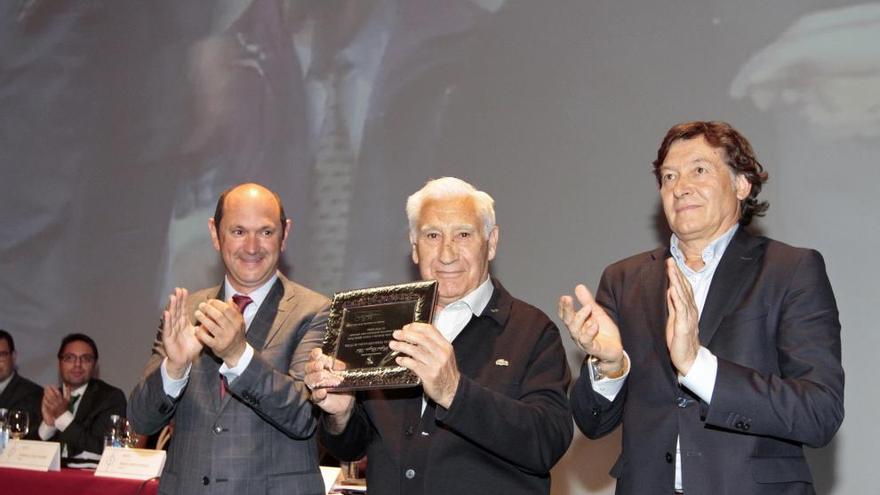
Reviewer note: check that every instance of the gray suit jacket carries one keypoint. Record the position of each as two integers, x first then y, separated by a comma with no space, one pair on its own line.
260,437
771,319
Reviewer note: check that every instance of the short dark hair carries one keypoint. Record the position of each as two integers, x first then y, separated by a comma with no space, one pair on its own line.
78,337
221,203
4,335
739,155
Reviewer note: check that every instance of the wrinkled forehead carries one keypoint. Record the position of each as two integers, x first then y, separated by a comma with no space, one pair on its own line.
693,150
452,212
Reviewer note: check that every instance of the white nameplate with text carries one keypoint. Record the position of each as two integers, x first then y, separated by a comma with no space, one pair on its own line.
133,464
31,454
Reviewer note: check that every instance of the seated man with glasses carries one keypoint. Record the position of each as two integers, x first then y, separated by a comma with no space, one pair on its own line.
77,414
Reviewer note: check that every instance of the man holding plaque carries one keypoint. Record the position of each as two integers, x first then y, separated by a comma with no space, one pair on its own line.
491,414
228,361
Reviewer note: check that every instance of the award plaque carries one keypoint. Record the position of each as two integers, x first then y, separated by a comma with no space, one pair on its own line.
359,329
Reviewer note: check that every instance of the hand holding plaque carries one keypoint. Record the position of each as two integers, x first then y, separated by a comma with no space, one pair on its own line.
360,327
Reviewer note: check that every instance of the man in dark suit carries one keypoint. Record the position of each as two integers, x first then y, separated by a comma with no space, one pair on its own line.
491,415
77,414
16,391
228,361
732,341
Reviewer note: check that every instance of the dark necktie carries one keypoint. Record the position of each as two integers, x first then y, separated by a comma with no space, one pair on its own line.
241,302
72,403
332,191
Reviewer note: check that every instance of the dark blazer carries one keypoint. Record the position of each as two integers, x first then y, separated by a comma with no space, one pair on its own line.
771,319
26,395
92,420
508,424
259,437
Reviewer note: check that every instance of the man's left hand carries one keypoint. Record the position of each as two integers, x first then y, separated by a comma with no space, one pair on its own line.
682,325
431,357
222,330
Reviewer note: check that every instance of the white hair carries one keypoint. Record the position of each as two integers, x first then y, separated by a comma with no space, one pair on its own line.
446,188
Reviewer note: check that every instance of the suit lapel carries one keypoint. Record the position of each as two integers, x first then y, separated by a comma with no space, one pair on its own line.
738,265
655,282
9,392
262,323
85,402
212,362
281,310
265,324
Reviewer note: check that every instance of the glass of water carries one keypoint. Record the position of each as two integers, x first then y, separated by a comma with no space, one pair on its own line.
4,430
18,424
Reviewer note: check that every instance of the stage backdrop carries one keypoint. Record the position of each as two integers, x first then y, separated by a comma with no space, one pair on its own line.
122,121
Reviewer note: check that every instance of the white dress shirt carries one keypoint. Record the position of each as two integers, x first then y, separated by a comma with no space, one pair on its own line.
701,377
452,319
63,421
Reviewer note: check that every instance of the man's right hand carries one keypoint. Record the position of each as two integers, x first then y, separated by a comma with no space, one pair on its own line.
178,335
338,406
54,403
593,331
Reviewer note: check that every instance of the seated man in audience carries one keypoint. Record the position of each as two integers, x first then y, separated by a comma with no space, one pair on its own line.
16,391
77,414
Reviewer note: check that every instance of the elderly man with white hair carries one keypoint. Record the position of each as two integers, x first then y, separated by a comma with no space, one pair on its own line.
491,415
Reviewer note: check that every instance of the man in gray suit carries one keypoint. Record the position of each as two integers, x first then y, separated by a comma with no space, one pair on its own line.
227,365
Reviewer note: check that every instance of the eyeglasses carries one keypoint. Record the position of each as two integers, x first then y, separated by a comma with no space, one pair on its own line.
5,355
73,358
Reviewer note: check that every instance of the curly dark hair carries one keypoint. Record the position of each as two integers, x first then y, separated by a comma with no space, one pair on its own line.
738,153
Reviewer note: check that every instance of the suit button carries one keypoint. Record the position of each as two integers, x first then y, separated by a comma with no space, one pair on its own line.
205,480
410,474
669,457
738,425
681,402
595,411
408,431
218,429
746,426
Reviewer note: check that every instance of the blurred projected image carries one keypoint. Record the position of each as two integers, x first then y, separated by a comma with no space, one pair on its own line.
827,67
337,104
123,121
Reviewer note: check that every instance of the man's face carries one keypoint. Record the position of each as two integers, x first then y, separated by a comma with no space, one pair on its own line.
251,237
7,360
699,192
77,364
450,246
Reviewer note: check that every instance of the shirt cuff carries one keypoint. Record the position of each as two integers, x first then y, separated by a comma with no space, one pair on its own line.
64,420
173,386
243,362
45,431
610,387
701,377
